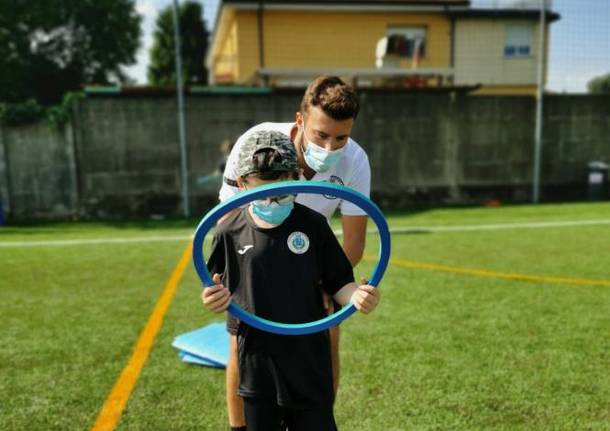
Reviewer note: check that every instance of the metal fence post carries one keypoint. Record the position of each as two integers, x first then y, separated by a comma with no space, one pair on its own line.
539,104
181,122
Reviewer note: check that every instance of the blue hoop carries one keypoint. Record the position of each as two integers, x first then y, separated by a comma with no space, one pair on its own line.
280,188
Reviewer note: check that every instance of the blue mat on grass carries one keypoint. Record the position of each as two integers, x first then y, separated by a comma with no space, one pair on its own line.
208,345
192,359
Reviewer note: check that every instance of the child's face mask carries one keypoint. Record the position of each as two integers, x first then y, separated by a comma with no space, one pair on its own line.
273,211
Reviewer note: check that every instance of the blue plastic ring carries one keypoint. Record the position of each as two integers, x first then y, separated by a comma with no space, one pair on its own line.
280,188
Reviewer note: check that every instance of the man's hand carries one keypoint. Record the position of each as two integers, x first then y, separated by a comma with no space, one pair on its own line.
216,298
365,298
327,302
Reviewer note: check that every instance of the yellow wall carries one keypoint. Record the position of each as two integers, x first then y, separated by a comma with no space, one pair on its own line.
247,46
479,53
224,53
306,39
227,61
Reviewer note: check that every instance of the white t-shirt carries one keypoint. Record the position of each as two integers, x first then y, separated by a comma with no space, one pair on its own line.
352,170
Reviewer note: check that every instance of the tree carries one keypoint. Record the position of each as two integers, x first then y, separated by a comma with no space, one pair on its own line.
193,47
599,85
50,47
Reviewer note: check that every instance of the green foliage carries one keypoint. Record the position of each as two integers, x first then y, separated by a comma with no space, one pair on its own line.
599,85
50,47
18,114
193,47
59,115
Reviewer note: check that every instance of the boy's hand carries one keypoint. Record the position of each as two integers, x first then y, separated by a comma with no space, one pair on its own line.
365,298
216,298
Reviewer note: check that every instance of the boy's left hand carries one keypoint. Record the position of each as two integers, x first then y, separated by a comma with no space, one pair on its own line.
365,298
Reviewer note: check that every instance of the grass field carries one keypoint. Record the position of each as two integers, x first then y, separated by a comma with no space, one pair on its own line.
449,348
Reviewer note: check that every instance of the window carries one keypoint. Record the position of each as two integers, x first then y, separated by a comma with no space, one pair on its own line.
407,42
518,40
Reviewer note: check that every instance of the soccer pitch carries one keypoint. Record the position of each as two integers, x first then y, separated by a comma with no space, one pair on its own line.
490,318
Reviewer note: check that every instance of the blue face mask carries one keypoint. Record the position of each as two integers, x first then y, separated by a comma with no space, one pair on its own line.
272,212
318,158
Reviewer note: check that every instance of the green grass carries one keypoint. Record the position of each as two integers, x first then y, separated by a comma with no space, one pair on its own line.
442,352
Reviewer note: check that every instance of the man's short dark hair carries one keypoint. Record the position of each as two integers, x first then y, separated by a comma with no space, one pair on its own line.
337,99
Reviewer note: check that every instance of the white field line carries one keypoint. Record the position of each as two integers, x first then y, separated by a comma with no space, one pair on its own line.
402,229
502,226
93,241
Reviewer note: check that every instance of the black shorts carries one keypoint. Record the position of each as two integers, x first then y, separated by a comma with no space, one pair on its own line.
267,415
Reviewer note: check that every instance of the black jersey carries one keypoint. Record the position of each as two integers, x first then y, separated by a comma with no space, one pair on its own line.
277,274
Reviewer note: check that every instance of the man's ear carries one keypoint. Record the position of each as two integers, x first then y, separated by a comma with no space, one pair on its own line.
293,133
241,183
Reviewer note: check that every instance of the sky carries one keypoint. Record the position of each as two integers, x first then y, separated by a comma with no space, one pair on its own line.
149,9
579,46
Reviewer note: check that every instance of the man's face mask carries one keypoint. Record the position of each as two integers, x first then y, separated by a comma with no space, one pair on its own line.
318,158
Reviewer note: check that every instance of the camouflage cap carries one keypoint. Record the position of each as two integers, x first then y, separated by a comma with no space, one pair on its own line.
264,139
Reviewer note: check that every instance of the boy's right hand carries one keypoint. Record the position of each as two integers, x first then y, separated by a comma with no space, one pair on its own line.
216,298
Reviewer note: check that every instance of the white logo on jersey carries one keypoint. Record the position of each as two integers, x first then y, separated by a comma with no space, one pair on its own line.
245,249
334,180
298,242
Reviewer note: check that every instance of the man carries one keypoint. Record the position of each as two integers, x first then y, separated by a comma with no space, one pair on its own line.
325,153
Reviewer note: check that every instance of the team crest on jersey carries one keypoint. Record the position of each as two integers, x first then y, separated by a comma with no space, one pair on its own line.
298,242
334,180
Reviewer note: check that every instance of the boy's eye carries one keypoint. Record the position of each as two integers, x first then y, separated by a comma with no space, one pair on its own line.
284,198
281,199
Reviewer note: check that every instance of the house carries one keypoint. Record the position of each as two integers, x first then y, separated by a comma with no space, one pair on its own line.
406,43
499,49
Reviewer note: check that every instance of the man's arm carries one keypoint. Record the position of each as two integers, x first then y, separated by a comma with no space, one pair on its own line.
229,182
353,218
227,216
354,237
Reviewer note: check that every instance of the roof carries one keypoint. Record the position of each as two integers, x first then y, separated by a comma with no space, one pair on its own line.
504,13
150,91
357,2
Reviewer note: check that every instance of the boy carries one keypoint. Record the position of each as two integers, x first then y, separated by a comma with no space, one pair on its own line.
274,255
